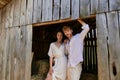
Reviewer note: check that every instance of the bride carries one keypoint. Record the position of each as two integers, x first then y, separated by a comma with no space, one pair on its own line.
57,53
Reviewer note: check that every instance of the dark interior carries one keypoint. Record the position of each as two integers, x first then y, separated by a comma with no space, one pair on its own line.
44,35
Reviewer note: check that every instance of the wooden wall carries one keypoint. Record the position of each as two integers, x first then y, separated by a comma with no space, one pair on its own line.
15,53
16,21
108,25
22,12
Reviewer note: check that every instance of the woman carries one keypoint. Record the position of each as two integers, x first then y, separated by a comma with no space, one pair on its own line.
57,55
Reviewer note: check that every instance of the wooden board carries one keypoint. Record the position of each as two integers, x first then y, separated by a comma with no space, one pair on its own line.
102,49
47,10
56,10
40,10
119,21
37,9
0,20
102,6
7,15
94,6
28,52
75,9
65,9
114,5
23,12
114,45
16,15
2,45
11,13
84,8
29,11
3,17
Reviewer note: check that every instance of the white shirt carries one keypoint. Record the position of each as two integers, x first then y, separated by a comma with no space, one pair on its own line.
75,47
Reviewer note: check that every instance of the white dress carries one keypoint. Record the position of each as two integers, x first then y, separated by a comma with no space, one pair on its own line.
60,66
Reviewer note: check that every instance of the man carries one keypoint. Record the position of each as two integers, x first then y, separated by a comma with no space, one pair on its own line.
75,50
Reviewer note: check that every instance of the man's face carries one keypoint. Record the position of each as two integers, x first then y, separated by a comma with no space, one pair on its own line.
68,32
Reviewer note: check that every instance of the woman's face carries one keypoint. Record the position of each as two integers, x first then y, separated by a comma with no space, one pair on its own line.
59,36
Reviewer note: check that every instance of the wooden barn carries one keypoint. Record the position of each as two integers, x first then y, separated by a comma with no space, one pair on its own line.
27,27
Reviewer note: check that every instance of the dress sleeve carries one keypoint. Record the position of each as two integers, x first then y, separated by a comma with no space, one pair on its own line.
50,52
84,31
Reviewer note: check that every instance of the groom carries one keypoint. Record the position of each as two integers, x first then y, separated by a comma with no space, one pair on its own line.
75,50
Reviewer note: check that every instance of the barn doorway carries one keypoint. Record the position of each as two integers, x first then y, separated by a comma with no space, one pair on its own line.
45,34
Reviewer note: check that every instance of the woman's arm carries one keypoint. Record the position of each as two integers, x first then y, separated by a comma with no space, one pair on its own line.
51,63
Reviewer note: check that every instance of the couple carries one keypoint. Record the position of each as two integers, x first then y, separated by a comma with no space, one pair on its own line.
67,68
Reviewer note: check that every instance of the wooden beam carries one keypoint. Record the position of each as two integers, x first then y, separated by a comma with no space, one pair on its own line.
59,21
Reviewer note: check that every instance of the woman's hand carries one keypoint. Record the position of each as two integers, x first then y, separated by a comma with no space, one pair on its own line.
50,71
66,41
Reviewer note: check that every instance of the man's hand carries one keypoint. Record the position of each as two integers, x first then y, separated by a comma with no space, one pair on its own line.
80,21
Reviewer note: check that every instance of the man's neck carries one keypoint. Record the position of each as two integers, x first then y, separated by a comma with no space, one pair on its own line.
70,37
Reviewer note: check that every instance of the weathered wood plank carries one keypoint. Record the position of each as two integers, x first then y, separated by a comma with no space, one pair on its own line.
119,21
4,43
16,16
65,9
0,20
40,10
7,16
47,10
9,49
94,6
37,11
102,6
11,13
23,12
114,45
75,9
56,10
102,49
28,52
84,8
114,5
2,17
29,11
17,53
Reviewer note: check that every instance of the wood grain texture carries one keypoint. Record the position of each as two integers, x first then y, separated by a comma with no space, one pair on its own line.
102,6
94,6
16,15
114,44
114,5
102,47
56,10
75,9
84,8
47,10
23,12
65,9
29,11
